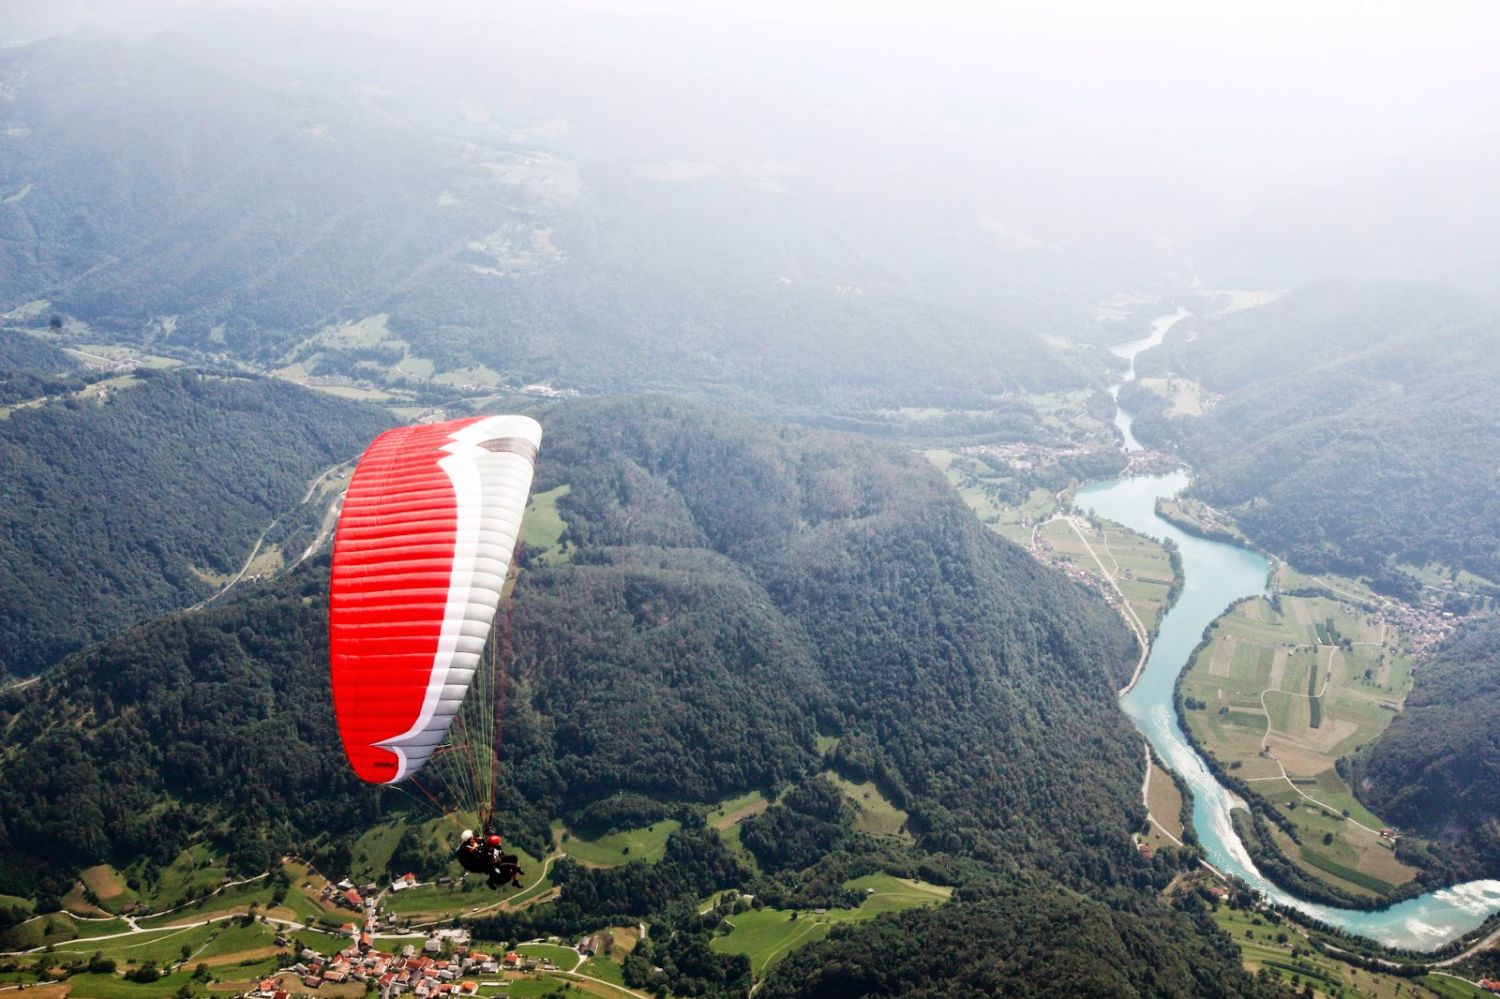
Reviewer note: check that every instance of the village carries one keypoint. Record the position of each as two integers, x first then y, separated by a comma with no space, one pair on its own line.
1069,565
446,963
1425,627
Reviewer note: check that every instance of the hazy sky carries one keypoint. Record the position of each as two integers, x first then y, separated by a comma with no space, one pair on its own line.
1157,107
1322,80
1274,83
1055,116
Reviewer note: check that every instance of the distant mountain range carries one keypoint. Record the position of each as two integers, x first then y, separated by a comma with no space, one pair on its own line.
1356,430
128,497
175,197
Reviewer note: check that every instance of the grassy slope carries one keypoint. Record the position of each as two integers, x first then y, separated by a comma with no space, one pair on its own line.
768,935
1257,940
611,850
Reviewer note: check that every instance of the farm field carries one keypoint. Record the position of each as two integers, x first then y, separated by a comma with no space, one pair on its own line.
101,986
603,967
194,873
768,935
1196,516
1282,690
235,898
1287,578
1187,397
1139,565
213,944
563,957
188,891
373,851
1283,952
1440,577
1164,801
530,988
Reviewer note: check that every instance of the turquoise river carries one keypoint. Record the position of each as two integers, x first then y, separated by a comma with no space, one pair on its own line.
1217,575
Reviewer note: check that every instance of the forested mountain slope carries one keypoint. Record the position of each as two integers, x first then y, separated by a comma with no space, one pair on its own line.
1358,425
19,352
1309,327
1436,769
733,589
729,593
31,368
109,502
1021,944
286,204
986,681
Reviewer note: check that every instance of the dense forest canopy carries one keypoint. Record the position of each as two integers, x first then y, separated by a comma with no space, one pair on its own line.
730,592
32,369
114,505
20,352
1357,427
821,582
952,649
1436,769
1020,944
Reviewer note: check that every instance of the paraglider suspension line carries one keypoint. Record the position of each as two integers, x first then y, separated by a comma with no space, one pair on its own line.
429,795
468,762
501,673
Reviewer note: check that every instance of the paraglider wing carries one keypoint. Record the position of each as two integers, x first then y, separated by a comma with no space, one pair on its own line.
424,543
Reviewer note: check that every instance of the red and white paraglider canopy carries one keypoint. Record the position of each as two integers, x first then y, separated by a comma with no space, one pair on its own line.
424,544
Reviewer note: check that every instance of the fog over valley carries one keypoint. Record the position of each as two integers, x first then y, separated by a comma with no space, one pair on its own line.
665,499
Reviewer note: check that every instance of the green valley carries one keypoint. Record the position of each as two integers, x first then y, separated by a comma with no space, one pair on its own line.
1282,691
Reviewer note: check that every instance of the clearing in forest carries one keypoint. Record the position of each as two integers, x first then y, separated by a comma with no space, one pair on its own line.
767,936
622,846
736,810
543,526
876,814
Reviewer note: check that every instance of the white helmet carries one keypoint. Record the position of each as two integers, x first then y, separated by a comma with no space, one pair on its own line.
466,835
